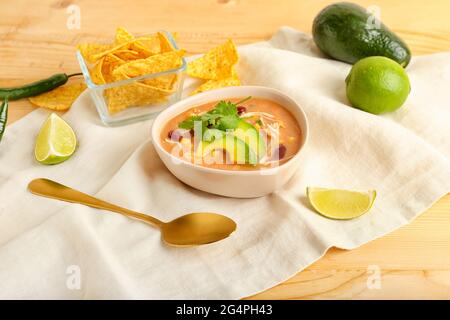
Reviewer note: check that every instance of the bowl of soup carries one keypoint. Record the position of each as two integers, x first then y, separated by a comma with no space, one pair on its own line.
241,142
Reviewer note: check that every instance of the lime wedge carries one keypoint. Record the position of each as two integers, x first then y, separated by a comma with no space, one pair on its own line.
56,141
340,204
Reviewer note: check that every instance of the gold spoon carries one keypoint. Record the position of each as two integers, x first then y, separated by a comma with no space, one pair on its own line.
189,230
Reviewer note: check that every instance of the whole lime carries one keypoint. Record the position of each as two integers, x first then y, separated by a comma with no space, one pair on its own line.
377,85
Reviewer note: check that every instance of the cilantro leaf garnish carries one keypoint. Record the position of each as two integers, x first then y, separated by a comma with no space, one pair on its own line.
228,122
223,117
225,108
188,124
210,119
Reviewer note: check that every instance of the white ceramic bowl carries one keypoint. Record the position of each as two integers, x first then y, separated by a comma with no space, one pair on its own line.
238,184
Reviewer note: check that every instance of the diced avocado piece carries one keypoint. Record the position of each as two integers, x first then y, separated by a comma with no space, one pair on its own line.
237,150
249,134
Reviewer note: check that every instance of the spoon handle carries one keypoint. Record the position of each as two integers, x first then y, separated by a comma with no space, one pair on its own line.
51,189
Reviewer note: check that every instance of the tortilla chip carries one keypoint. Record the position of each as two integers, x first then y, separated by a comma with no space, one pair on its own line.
97,74
134,94
128,55
114,57
153,64
141,50
89,51
166,82
110,62
150,43
165,45
60,98
216,84
122,36
123,46
216,64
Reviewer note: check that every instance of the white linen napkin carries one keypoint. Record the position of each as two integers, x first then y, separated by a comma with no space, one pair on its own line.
52,249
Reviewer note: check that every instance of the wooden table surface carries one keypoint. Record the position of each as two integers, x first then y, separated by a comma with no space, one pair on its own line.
414,261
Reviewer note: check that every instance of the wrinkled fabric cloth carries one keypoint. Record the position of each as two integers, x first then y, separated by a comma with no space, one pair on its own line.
53,249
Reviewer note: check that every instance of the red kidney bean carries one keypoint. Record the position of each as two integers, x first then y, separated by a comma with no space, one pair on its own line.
280,152
241,110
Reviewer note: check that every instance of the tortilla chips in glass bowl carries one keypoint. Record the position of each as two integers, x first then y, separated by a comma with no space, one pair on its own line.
132,78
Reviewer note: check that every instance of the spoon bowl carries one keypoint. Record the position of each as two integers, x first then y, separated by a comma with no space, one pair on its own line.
189,230
197,228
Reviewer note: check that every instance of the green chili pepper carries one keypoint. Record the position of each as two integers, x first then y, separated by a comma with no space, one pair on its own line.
35,88
3,117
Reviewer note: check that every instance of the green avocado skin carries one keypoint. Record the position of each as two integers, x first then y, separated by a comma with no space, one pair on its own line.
342,31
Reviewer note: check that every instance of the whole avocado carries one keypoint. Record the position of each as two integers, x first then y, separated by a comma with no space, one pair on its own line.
347,32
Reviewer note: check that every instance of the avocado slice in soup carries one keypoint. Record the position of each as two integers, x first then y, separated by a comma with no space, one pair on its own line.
237,150
247,144
249,134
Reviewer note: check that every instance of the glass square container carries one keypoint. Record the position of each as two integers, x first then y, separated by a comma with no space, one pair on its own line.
135,110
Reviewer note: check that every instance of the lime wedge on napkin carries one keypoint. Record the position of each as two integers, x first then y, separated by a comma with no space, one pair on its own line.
340,204
56,141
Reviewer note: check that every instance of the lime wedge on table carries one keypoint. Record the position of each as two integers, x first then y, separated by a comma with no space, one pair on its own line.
340,204
56,141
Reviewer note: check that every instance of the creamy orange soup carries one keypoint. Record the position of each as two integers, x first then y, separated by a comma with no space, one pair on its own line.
277,129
